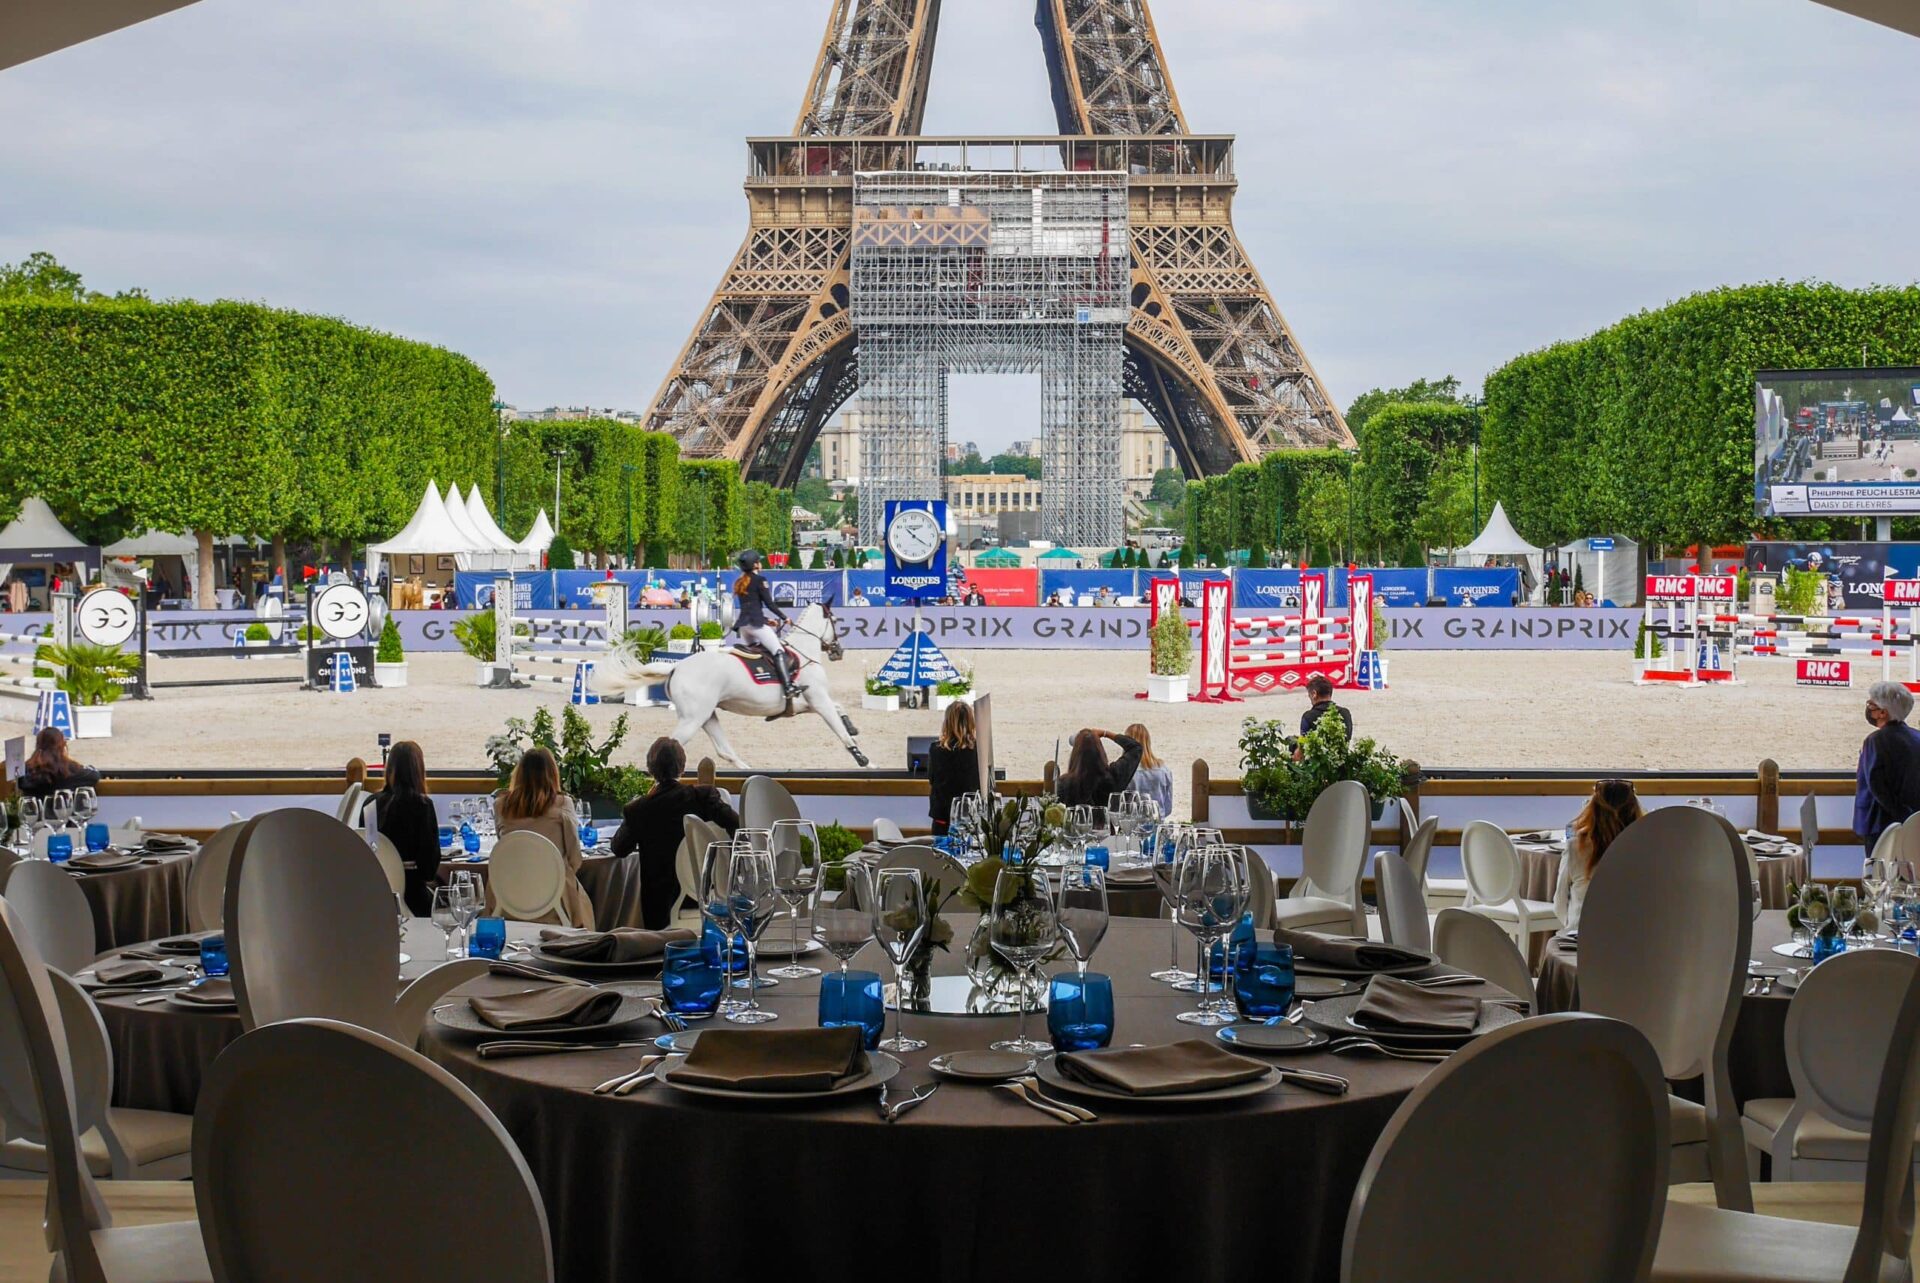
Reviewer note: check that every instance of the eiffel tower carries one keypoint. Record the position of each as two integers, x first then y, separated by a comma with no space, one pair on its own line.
1207,352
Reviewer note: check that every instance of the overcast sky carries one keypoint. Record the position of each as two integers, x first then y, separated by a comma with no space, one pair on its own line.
552,187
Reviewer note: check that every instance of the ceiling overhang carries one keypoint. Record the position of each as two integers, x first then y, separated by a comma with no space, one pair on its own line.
34,28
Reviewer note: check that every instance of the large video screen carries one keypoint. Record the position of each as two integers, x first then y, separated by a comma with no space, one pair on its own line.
1837,442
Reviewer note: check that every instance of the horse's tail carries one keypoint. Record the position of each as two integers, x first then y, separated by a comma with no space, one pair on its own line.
616,674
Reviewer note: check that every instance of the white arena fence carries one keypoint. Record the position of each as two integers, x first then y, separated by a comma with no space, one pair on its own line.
1705,635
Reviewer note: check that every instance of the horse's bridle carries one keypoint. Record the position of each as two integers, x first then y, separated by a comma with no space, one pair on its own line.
829,645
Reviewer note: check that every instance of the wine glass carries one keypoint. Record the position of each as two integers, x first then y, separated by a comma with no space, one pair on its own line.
1082,908
760,840
86,803
473,898
1814,911
1874,876
846,925
754,897
30,813
796,875
899,921
1023,929
62,808
1210,895
716,906
1174,842
1845,907
446,914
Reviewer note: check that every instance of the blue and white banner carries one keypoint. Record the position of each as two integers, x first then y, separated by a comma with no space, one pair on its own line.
918,662
1087,583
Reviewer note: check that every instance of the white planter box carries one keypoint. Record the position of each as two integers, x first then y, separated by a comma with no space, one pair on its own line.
389,676
256,643
93,722
880,703
486,675
680,646
1166,690
941,703
712,643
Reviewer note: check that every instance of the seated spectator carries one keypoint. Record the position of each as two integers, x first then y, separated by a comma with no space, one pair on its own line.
1155,777
408,819
1089,778
50,769
651,825
1612,807
533,802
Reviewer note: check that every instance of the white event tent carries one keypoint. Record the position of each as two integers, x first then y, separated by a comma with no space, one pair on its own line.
1500,541
433,531
482,521
538,540
37,536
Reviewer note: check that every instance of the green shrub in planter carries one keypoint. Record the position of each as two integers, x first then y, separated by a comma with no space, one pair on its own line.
680,632
710,630
641,643
1172,645
92,671
1271,777
390,650
476,635
258,632
879,688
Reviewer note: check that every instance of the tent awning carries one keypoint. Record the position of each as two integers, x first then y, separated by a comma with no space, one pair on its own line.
1499,539
37,535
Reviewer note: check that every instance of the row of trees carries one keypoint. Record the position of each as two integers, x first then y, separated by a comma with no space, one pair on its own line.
229,418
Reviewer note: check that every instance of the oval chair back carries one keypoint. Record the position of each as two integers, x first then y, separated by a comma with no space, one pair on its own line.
1476,943
1489,863
207,879
55,911
1403,906
527,878
764,800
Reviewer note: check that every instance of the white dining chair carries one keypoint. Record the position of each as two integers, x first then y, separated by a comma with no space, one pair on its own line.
1262,897
115,1143
1492,867
1333,853
933,865
885,830
1478,1132
55,910
1664,940
1419,849
37,1100
301,1176
1837,1028
390,863
310,930
1472,942
347,810
1403,910
1735,1246
527,879
763,800
207,878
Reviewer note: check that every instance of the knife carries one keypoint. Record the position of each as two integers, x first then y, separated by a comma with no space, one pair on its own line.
509,1047
1311,1080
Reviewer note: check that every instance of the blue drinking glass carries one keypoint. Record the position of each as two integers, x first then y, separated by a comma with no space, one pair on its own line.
446,837
60,847
1241,940
1828,943
1080,1011
96,837
853,998
1097,857
691,979
469,839
1263,983
213,955
489,938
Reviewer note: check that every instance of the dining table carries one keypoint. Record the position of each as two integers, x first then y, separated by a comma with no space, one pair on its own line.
971,1184
1757,1058
142,901
1778,862
612,883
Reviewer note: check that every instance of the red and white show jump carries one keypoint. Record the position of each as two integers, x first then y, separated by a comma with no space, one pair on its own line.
1705,638
1262,654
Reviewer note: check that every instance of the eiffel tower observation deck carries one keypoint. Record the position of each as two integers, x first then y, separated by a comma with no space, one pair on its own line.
1198,339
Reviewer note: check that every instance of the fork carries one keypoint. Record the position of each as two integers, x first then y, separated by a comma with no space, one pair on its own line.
1341,1046
1032,1084
918,1097
647,1064
674,1022
1017,1089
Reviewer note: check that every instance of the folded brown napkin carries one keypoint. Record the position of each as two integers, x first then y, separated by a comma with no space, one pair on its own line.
145,955
128,973
159,843
179,946
213,993
104,860
775,1060
1192,1065
548,1005
1354,955
1392,1004
625,944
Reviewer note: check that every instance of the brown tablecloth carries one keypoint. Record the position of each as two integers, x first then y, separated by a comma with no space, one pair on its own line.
1155,1190
1758,1057
144,902
613,885
1124,899
1540,872
161,1051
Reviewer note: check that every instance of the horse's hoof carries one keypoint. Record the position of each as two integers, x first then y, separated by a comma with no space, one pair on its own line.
851,728
859,757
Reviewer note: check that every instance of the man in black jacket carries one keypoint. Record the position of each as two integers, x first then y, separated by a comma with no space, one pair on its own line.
1887,779
652,826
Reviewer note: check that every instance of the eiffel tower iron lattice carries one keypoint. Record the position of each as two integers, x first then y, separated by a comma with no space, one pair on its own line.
1207,351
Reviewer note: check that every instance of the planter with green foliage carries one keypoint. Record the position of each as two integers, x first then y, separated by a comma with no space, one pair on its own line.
587,770
390,658
680,639
881,697
93,678
1280,786
960,688
1171,657
712,635
256,637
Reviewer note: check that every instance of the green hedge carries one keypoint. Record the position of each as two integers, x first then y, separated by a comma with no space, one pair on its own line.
1402,446
1646,428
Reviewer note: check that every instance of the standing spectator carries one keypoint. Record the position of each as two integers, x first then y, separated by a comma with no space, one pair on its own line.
1089,778
1154,778
1320,692
953,765
651,825
1887,779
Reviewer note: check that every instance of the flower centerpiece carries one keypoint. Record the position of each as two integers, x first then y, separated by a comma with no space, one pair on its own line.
1013,835
1284,785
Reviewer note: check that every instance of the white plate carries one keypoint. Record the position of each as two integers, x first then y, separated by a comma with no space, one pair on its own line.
1050,1074
781,949
1792,950
983,1066
881,1068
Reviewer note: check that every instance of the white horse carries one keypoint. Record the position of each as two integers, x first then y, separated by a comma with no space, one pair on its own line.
704,683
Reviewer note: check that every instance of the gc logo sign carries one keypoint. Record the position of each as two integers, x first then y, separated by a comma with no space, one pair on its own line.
106,617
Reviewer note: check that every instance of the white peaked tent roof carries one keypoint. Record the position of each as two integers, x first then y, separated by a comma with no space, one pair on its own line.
539,537
1499,539
456,508
154,543
430,530
483,521
36,527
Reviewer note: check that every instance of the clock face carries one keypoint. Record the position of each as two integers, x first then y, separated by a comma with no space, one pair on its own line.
915,535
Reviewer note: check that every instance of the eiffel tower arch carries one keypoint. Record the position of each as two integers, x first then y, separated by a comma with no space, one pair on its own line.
1204,347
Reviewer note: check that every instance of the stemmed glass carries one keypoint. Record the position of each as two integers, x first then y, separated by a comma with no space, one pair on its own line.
899,920
30,817
1814,901
1165,868
1082,909
446,914
1901,889
472,899
1023,929
1874,877
1211,894
796,875
62,809
963,822
716,906
846,925
754,897
1845,907
760,840
86,804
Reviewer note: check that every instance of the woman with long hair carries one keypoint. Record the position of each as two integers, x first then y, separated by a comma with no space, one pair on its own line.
651,828
1155,777
410,821
1612,806
953,764
533,803
51,769
1089,778
753,600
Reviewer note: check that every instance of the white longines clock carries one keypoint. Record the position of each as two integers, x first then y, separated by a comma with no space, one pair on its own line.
915,535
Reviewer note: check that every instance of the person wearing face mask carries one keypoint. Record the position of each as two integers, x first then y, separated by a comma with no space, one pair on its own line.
1887,780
